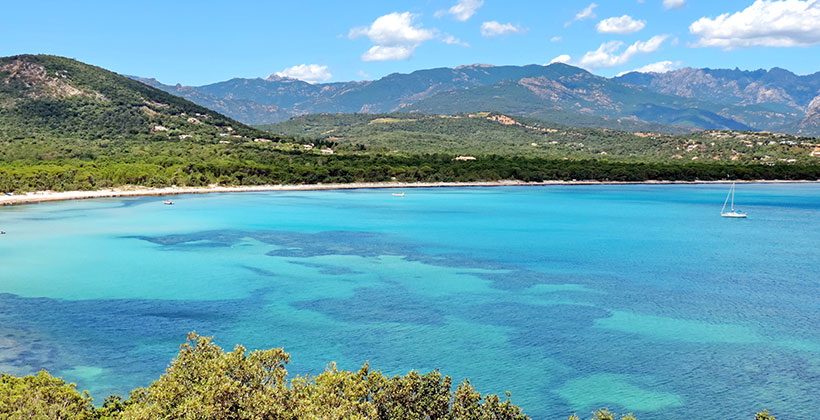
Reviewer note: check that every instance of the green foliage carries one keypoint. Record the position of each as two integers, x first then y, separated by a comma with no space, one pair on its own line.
764,415
604,414
482,134
334,394
55,97
206,383
63,165
42,397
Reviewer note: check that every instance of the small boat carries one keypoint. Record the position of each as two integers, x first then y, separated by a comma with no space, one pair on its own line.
398,194
732,213
2,232
168,202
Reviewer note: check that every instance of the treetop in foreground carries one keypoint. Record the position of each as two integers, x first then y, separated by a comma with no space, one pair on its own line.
206,383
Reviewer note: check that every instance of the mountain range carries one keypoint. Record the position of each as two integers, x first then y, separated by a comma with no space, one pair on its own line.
675,102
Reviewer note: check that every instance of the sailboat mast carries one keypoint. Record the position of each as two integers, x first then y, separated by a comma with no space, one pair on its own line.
733,197
725,202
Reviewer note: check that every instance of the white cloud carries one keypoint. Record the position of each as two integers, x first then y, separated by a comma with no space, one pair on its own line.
674,4
786,23
563,58
463,10
494,28
659,67
364,75
396,37
556,39
386,53
587,13
451,40
394,29
620,25
311,73
609,55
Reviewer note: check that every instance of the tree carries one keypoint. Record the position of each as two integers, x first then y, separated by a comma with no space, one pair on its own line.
205,383
764,415
42,397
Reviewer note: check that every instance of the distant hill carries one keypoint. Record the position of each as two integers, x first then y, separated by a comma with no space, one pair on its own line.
506,135
582,100
55,97
276,98
676,102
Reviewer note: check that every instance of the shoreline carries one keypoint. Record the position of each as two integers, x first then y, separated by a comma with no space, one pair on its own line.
134,191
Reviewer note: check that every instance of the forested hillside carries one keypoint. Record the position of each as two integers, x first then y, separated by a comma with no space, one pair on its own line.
494,133
54,97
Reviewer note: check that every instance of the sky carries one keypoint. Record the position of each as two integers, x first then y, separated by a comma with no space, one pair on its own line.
201,42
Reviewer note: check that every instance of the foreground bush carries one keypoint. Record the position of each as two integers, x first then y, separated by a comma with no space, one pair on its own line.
42,397
206,383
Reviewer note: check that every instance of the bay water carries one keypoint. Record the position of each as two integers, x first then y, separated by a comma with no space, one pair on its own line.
640,298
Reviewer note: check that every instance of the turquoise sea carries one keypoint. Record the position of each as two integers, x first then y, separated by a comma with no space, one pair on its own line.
639,298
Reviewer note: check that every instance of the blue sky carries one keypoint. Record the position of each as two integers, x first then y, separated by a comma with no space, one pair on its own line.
201,42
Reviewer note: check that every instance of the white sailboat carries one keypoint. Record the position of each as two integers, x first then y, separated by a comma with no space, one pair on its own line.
737,214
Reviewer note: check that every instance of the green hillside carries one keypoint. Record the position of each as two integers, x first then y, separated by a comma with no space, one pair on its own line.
52,97
494,133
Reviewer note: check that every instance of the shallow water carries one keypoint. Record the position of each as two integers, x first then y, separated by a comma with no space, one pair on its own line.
638,298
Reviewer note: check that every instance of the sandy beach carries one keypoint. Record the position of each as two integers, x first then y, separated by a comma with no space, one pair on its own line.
136,191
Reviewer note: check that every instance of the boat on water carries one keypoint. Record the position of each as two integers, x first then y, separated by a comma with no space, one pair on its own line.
168,202
2,232
732,213
398,194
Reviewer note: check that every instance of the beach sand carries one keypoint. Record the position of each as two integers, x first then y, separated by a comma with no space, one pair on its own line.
136,191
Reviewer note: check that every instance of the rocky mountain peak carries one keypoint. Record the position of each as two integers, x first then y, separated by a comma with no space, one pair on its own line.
474,66
37,81
811,122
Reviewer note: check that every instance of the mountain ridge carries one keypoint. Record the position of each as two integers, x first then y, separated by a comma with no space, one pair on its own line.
685,99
